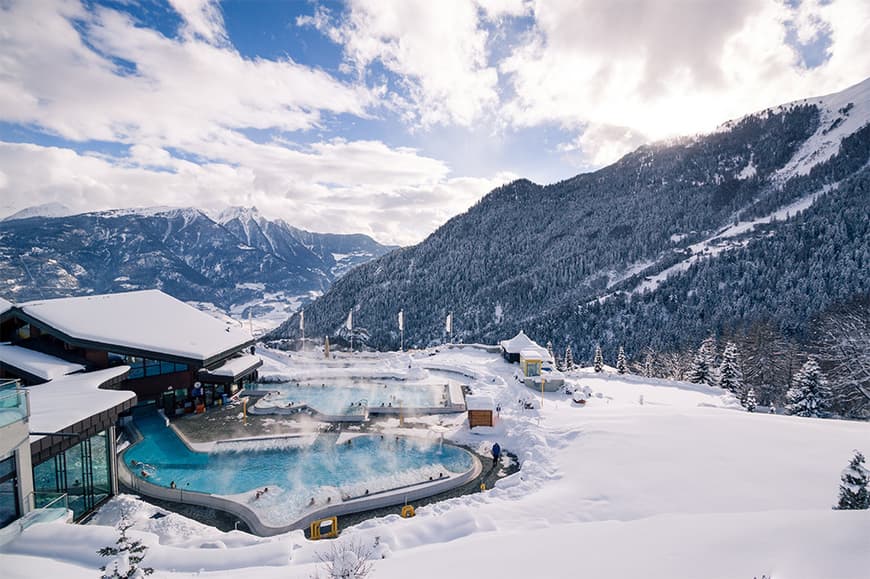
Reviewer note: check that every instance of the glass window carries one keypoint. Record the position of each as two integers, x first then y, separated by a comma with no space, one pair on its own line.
82,472
8,491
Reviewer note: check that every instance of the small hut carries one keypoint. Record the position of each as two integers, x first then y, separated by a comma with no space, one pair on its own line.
510,349
481,411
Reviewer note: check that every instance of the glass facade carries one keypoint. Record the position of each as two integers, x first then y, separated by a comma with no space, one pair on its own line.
13,402
82,472
8,491
142,367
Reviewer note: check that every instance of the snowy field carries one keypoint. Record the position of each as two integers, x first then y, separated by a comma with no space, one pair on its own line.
684,484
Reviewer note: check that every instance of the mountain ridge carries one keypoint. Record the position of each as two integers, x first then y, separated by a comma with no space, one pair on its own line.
181,250
526,256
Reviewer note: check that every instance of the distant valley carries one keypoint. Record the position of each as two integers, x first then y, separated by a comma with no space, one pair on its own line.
239,261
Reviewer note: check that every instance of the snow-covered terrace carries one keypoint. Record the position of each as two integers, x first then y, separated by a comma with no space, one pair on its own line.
36,364
65,401
142,321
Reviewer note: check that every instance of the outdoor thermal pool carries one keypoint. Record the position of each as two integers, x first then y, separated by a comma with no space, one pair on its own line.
330,470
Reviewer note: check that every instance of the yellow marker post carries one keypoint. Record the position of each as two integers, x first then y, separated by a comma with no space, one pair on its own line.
542,392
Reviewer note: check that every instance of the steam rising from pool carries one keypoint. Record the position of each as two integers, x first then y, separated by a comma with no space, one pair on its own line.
302,473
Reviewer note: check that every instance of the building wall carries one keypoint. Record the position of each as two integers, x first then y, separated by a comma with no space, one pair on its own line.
152,387
99,358
15,443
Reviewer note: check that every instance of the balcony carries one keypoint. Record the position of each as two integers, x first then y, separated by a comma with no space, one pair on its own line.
13,403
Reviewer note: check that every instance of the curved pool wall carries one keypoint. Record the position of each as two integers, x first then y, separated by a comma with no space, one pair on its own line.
206,479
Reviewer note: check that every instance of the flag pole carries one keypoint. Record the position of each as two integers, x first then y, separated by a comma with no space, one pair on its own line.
302,327
402,329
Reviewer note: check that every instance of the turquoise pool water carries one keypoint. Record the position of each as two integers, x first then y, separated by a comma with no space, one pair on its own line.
341,397
367,463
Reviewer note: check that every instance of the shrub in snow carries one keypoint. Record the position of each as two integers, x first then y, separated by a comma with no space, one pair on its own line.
750,403
730,374
621,364
598,361
346,560
127,554
701,371
853,485
809,394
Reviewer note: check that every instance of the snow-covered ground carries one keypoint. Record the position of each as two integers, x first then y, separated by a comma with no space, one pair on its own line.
650,479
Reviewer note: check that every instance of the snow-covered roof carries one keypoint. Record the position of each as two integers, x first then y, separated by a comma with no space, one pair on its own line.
479,402
36,363
237,366
535,354
64,401
518,343
5,306
147,321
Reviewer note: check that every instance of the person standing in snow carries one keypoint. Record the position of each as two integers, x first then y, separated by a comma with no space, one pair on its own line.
496,453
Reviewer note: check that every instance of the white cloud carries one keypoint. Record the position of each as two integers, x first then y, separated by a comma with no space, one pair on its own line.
202,19
344,187
138,85
670,68
437,49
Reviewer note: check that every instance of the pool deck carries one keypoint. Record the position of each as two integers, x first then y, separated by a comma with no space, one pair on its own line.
223,422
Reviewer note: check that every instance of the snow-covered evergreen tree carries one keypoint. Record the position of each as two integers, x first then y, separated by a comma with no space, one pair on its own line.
730,373
569,358
550,350
701,371
128,556
809,394
750,403
598,361
621,364
854,493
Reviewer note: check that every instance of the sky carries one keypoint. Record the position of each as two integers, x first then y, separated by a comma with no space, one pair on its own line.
384,117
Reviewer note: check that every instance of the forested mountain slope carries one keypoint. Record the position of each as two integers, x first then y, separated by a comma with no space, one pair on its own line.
764,219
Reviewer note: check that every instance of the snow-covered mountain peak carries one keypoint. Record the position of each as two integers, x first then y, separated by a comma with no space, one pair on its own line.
243,214
53,209
840,115
187,212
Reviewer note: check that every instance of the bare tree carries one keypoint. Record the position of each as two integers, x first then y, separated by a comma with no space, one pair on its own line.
673,365
346,560
843,344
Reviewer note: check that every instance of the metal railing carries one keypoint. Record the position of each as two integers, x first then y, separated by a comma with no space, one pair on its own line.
44,508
